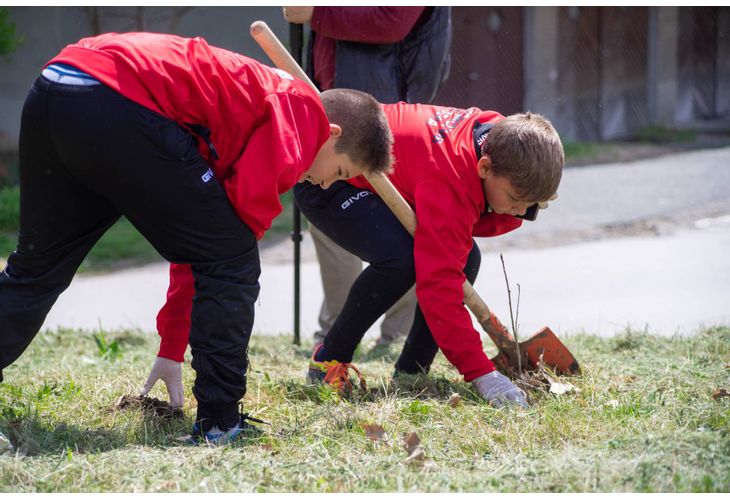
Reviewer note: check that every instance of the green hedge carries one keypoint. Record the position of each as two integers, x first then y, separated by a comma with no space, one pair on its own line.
9,208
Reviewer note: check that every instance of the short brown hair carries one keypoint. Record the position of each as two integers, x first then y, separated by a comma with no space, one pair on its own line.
366,136
526,149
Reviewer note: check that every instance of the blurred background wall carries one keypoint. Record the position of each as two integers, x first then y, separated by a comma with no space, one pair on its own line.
599,73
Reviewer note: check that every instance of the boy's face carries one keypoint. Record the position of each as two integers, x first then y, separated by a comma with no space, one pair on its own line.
499,192
329,166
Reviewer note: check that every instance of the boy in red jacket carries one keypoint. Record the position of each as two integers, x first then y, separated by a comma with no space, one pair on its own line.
466,173
193,144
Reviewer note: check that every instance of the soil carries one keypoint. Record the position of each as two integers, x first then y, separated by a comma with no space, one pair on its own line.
150,406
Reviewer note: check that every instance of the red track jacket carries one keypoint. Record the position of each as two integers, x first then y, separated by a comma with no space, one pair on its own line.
265,126
435,171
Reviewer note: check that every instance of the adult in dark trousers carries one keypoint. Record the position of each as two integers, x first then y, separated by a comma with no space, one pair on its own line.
395,54
193,144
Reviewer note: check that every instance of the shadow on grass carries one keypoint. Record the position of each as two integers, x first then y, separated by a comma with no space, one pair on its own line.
420,387
385,352
36,436
33,436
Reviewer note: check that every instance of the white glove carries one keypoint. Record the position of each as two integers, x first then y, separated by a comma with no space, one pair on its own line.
499,390
170,372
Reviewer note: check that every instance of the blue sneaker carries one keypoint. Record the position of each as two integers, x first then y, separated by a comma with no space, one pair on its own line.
217,437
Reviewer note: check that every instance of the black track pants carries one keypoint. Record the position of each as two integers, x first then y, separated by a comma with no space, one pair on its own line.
361,223
89,155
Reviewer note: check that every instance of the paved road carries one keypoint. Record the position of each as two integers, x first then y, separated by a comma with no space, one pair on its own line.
642,244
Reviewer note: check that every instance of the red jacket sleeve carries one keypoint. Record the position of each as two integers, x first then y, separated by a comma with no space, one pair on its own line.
365,24
173,320
493,224
278,152
442,243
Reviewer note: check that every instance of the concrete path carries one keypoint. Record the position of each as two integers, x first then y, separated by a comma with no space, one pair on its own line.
644,244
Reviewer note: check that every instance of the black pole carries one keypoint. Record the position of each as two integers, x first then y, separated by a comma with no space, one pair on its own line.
296,40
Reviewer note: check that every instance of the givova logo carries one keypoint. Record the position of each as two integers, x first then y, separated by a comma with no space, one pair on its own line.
353,199
207,176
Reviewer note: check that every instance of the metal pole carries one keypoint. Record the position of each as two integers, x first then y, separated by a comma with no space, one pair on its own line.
296,40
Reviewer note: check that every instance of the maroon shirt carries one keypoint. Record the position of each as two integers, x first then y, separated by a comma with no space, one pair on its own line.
375,25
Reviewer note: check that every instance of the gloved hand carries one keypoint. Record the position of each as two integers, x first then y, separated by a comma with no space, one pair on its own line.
499,390
170,372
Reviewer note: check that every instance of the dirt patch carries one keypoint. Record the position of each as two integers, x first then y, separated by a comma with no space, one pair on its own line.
150,406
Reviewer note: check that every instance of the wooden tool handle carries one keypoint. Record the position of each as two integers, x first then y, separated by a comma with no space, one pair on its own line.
403,211
273,48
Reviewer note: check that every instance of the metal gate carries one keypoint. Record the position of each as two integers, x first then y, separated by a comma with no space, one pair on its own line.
486,60
603,71
697,65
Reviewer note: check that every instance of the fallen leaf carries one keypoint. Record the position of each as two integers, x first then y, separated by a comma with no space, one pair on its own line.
375,432
454,400
417,456
411,441
720,393
560,388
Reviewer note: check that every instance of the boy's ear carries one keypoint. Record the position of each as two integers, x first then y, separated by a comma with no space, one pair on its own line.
335,130
483,166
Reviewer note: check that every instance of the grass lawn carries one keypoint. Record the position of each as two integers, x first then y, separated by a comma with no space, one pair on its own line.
644,419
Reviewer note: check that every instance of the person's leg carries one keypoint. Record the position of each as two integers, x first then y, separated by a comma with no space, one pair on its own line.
361,223
420,348
60,220
338,269
150,169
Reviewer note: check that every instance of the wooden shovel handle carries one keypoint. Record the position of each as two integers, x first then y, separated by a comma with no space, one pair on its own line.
273,48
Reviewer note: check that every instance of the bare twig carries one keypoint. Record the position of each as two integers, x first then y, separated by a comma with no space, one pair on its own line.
512,317
517,311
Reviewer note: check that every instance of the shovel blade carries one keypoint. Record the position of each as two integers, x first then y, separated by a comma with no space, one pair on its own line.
543,344
554,353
